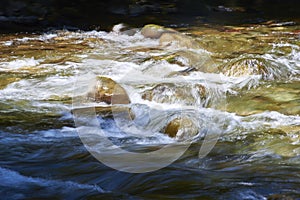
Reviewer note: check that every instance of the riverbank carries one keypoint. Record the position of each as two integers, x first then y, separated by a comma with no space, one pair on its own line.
32,16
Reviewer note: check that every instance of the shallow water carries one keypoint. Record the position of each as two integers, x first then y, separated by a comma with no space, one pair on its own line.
257,117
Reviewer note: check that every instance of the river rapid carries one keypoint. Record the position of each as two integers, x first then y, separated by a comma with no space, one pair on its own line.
256,113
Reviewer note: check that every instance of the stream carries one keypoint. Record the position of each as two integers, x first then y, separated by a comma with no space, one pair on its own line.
254,113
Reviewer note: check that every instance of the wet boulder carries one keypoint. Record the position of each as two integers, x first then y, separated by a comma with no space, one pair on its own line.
155,31
181,128
108,91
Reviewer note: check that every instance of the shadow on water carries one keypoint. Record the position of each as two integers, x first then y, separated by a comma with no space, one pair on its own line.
27,15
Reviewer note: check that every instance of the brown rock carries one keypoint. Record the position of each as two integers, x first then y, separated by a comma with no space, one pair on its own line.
181,128
155,31
108,91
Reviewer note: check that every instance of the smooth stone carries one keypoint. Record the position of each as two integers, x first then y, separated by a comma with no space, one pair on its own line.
109,92
155,31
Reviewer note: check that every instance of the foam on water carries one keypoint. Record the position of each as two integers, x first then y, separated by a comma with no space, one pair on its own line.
127,41
34,89
18,63
42,37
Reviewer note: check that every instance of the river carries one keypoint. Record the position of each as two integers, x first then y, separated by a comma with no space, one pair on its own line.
256,115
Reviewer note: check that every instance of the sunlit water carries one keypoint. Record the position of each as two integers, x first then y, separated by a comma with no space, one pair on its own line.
256,156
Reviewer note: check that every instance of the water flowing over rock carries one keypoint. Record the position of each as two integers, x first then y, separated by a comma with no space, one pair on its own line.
201,61
155,31
123,29
171,93
195,61
109,92
254,119
253,66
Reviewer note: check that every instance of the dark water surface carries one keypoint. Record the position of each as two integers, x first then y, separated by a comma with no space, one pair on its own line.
29,15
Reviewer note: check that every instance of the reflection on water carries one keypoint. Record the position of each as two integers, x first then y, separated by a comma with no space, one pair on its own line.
256,157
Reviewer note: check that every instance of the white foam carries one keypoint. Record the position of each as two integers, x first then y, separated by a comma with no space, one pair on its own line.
19,63
34,89
8,43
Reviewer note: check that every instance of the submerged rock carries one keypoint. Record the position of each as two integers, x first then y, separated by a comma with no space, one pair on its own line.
181,128
179,40
276,141
7,80
155,31
251,66
172,59
195,61
280,97
200,61
109,92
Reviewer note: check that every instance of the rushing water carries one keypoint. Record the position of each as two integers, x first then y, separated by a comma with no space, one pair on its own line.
257,155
